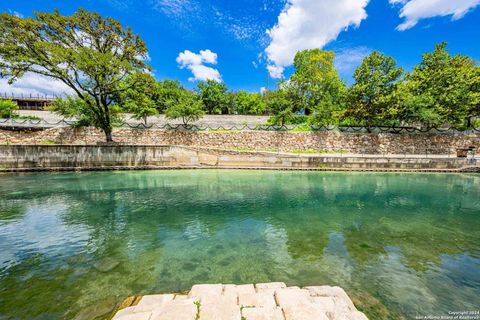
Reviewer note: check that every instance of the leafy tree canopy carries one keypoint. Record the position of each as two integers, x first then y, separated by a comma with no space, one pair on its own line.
168,91
249,103
444,89
88,53
373,98
213,95
280,107
315,86
140,96
188,107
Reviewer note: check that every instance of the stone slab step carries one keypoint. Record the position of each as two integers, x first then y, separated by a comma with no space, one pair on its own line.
263,301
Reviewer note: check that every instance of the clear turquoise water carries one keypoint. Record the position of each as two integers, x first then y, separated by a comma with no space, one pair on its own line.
400,244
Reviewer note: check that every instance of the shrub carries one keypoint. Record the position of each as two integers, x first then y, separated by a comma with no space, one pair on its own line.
7,108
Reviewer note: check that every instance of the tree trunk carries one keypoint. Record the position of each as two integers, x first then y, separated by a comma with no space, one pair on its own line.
108,134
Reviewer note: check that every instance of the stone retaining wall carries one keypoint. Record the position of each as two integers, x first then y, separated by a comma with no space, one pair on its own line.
92,157
359,143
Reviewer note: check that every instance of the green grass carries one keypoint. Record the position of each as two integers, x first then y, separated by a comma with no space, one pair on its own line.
221,130
308,151
47,141
27,118
198,305
300,129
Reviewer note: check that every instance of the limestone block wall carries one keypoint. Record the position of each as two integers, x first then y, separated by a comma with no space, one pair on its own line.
78,156
331,141
88,157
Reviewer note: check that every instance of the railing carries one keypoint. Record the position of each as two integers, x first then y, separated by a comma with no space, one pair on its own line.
13,96
29,123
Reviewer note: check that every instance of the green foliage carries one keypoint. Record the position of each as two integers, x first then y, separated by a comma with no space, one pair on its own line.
315,86
280,107
213,94
443,89
198,305
374,98
27,117
476,123
249,103
140,96
103,63
88,53
168,91
8,108
76,108
188,107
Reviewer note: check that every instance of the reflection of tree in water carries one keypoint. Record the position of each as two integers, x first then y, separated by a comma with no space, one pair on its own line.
10,211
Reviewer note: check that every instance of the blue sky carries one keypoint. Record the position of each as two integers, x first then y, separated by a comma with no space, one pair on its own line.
237,41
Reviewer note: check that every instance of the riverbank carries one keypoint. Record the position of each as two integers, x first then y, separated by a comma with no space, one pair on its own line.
21,158
377,143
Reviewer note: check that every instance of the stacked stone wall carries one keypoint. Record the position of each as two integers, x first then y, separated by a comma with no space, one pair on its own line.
324,141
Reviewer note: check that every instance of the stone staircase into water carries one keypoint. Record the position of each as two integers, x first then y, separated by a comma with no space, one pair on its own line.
263,301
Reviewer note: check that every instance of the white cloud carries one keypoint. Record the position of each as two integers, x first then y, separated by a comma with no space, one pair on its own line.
275,72
34,84
308,24
185,14
414,10
175,7
203,73
348,59
195,63
16,14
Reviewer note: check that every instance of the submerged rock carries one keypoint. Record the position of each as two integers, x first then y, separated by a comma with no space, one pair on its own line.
101,308
106,264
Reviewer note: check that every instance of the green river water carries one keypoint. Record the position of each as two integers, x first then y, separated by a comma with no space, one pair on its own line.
401,245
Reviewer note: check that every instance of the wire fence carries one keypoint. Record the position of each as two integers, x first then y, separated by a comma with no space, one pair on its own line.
41,123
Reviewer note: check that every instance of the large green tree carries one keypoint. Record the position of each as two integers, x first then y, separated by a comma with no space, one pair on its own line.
187,107
443,89
280,107
249,103
140,97
74,108
168,91
88,53
373,98
315,86
213,94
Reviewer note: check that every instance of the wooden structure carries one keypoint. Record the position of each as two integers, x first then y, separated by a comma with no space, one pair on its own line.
29,102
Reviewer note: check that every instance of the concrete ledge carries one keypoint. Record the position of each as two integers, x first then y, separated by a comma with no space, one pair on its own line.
142,168
23,158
